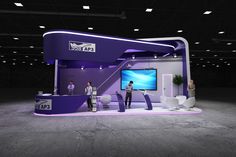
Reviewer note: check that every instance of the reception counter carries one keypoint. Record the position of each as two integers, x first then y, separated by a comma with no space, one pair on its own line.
57,104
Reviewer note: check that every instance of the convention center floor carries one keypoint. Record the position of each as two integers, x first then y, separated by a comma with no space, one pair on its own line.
211,133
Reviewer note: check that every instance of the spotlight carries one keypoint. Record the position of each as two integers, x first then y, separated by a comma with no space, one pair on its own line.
133,56
4,61
155,56
100,67
175,56
82,68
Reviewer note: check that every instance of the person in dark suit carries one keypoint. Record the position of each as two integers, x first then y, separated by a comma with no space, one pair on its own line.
128,97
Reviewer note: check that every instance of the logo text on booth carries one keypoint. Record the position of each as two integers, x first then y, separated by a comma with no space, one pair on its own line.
81,46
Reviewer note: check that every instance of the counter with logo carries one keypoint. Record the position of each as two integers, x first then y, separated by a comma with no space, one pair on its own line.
57,104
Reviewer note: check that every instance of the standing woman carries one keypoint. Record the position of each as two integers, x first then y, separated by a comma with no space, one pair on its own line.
191,89
88,91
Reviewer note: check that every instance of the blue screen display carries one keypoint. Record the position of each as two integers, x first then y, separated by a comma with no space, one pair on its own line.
144,79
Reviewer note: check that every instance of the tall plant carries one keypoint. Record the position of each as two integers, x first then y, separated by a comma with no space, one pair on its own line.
178,80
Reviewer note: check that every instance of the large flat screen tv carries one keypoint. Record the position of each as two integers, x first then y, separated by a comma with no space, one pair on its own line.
144,79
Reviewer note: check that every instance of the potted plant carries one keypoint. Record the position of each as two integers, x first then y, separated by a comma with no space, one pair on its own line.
178,80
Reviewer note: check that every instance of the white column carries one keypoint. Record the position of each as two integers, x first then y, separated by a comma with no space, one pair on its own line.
55,76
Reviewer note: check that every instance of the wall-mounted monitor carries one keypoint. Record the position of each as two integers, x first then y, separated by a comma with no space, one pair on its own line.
144,79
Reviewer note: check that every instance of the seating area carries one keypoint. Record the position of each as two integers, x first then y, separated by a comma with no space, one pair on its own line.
180,101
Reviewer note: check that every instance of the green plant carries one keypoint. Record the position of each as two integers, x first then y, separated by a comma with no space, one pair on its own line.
178,80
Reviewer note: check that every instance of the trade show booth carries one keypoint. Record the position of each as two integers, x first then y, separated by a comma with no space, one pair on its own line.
110,63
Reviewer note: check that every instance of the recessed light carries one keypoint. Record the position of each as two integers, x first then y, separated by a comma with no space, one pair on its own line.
2,56
18,4
31,47
225,62
193,55
221,32
208,50
221,59
42,52
207,12
42,62
217,66
90,28
15,38
229,43
228,64
31,63
42,27
213,64
35,60
136,29
100,67
23,62
201,59
14,52
215,55
26,56
13,63
175,56
14,59
133,56
197,42
4,61
48,64
82,68
234,51
149,10
155,56
180,31
208,62
203,66
86,7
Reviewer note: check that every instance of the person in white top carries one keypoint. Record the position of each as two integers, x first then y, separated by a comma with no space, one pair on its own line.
71,88
88,91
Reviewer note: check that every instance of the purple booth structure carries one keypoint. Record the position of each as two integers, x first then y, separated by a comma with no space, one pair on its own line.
83,57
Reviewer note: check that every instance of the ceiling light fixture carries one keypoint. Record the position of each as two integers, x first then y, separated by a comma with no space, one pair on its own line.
136,29
90,28
197,42
42,27
86,7
14,52
155,56
4,61
31,47
149,10
207,12
180,31
133,56
100,67
234,51
18,4
229,43
15,38
221,32
208,50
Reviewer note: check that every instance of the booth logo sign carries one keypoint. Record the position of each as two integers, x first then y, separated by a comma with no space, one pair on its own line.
43,104
81,46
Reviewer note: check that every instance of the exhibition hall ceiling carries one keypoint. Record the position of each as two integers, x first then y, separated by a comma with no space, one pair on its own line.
208,25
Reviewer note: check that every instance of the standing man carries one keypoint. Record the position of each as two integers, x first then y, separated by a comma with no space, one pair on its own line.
88,91
129,89
71,88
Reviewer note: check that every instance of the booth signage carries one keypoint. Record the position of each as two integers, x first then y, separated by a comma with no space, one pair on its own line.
82,46
43,104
